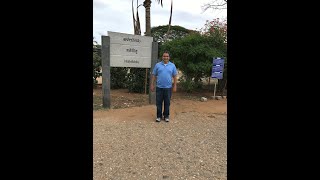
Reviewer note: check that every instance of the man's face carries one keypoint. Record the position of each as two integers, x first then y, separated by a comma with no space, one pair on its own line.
165,57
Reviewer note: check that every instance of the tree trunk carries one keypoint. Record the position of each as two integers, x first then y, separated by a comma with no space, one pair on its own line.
147,5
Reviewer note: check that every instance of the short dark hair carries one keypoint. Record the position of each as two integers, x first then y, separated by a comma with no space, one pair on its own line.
166,52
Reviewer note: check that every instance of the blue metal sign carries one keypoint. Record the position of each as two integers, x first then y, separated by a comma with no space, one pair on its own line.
217,68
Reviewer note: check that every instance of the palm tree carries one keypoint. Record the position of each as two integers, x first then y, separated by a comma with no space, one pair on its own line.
136,23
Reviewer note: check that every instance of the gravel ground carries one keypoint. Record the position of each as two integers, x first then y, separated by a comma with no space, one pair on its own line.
191,146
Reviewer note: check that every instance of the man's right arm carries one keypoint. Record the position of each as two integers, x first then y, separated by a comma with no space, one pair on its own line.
153,79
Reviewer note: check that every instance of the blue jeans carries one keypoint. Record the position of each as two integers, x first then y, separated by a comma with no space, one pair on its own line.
163,95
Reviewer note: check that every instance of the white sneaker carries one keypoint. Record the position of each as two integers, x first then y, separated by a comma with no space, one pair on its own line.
158,119
167,119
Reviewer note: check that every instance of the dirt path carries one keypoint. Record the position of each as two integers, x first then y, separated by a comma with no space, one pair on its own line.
128,143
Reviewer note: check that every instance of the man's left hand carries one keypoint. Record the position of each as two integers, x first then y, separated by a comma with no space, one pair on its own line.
174,88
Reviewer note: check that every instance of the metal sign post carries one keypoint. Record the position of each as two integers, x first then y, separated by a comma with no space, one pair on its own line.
214,91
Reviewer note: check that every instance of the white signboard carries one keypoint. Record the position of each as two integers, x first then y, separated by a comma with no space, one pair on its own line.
127,50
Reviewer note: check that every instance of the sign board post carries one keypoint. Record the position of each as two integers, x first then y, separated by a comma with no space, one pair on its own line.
105,57
152,95
217,71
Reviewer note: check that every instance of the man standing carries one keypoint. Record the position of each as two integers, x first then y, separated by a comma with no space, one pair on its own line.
163,72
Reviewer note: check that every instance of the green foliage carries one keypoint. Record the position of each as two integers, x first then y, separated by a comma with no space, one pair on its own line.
189,85
193,55
136,80
217,31
96,63
118,77
159,33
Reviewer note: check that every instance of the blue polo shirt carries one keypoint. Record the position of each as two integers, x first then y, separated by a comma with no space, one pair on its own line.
164,73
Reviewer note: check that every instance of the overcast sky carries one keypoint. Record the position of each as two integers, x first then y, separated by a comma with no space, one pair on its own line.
116,15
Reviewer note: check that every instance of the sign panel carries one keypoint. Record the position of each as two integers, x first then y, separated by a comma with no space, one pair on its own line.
127,50
217,68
